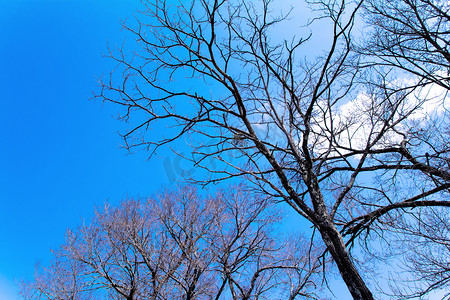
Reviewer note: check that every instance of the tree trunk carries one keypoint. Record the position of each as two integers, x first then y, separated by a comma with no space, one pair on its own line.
335,244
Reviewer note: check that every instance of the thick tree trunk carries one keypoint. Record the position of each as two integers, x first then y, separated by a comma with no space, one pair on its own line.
335,244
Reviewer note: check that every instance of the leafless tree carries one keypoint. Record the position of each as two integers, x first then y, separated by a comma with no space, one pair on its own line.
423,238
338,136
407,45
181,245
412,36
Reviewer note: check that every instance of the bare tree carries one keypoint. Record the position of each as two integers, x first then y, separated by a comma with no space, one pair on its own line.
423,239
335,136
180,246
412,36
406,48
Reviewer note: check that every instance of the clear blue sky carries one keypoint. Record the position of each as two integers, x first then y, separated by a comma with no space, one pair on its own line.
59,151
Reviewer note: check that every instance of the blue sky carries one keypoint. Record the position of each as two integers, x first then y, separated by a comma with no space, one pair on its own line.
60,152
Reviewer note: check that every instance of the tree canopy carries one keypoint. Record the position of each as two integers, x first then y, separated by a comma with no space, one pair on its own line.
181,245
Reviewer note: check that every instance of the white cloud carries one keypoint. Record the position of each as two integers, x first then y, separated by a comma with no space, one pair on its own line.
364,116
